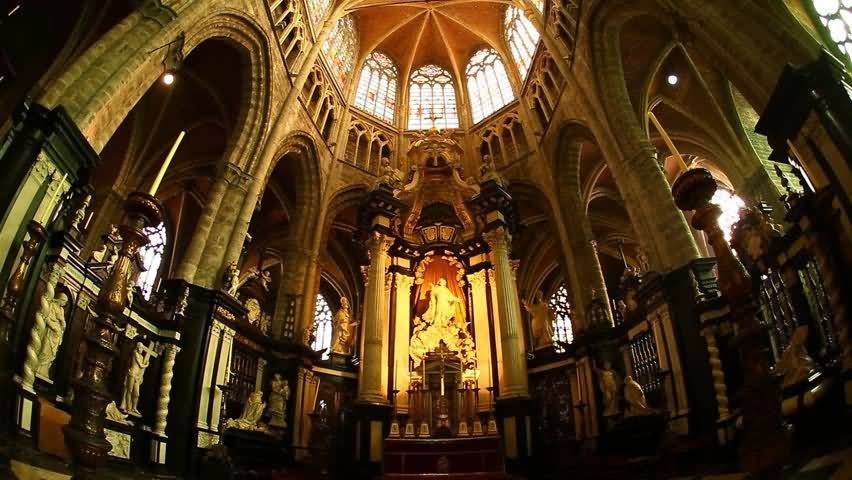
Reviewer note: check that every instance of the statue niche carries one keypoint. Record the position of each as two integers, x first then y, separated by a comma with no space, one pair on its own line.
439,313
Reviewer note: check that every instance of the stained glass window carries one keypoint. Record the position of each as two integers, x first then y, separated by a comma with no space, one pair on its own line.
152,258
561,308
522,37
317,11
341,47
836,16
322,326
730,204
432,99
376,92
487,84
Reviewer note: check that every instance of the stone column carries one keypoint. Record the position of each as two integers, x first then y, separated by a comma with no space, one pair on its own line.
515,382
482,327
402,323
372,381
170,351
189,263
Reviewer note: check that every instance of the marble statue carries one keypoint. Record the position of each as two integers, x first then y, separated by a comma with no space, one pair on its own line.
442,305
341,341
634,396
608,383
108,253
265,279
52,312
139,362
542,321
795,363
488,171
250,416
231,279
279,393
390,176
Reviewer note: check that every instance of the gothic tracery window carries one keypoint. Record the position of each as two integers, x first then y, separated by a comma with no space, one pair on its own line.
487,84
318,10
836,16
341,47
152,258
376,92
432,99
730,204
561,308
522,37
322,326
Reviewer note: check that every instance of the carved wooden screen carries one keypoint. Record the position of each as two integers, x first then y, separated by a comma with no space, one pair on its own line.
243,374
646,363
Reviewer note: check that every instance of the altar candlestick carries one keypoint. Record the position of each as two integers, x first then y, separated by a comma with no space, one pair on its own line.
165,166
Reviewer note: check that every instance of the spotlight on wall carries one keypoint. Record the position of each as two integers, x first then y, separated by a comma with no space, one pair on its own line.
173,59
168,78
672,79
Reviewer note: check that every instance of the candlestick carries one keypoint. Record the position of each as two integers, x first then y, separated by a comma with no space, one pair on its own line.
162,172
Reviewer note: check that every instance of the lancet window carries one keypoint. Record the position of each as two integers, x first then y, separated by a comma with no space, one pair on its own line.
561,308
152,258
322,326
563,20
836,16
487,84
319,100
432,99
341,47
522,37
544,88
377,87
730,203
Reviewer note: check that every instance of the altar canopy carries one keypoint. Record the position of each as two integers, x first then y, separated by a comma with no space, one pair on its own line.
440,310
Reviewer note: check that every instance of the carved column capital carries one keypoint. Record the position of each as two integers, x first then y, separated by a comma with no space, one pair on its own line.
378,244
477,280
498,238
403,282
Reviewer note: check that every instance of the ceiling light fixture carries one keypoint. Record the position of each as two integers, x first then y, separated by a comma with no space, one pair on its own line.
672,79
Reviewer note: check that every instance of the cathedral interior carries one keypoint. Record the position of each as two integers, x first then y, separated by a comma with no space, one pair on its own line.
425,239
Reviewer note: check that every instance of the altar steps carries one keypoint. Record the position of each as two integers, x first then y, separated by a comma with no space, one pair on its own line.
477,458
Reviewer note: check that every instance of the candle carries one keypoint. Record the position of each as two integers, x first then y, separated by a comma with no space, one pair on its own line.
165,166
88,221
48,208
442,385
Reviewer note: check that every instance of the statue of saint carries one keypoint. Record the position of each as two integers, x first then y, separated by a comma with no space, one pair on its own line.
634,396
442,305
341,341
608,383
52,313
542,321
231,279
795,363
133,381
252,411
390,175
278,395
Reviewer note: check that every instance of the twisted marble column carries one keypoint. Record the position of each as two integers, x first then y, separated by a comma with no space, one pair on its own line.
169,353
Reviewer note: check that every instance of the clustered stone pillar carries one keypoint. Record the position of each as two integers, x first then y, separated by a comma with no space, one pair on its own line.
84,435
372,382
514,380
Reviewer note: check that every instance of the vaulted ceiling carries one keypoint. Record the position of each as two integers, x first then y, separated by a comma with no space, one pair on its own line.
442,32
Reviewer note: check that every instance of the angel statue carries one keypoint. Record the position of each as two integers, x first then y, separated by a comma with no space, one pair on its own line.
542,321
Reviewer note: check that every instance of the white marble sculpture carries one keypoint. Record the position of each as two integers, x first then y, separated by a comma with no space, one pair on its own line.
542,321
634,396
139,362
795,363
231,279
278,395
442,304
608,383
342,337
53,310
250,416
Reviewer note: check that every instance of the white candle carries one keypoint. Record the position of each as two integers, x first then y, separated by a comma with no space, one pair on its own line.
88,221
442,385
48,208
162,172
